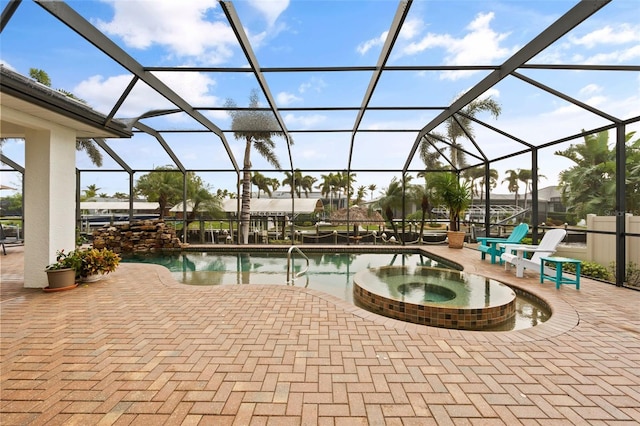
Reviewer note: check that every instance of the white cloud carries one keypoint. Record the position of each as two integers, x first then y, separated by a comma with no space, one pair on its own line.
180,27
493,92
595,101
481,45
409,30
285,98
614,57
369,44
99,92
303,121
577,49
271,9
590,88
607,35
316,84
192,87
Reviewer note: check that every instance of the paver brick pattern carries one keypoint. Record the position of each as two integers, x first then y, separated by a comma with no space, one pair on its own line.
139,348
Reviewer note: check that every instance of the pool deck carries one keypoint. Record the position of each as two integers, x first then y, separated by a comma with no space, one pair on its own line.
140,348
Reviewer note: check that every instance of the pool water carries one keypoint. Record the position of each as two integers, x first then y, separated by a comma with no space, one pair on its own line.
331,273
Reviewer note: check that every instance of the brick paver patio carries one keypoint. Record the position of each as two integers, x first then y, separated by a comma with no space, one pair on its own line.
139,348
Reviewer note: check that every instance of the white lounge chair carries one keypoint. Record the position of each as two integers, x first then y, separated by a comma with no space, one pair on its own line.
514,253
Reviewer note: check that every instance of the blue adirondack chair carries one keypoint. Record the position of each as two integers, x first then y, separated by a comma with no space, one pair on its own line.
495,246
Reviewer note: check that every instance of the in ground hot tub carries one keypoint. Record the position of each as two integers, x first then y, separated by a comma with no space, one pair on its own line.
435,297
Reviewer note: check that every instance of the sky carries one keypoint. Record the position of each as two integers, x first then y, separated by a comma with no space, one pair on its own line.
301,33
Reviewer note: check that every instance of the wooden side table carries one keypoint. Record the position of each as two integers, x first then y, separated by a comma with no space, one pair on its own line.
558,277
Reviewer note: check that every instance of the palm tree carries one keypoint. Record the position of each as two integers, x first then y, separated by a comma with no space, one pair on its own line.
391,200
512,183
307,183
493,182
293,180
273,183
454,194
422,194
91,191
360,194
525,176
472,175
163,185
224,193
327,187
201,198
372,187
589,186
429,155
256,128
261,182
343,181
476,178
456,128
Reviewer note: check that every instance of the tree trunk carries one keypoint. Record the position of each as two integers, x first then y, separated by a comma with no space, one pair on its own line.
389,213
245,210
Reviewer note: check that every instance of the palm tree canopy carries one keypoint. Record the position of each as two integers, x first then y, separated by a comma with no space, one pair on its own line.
256,128
589,186
456,127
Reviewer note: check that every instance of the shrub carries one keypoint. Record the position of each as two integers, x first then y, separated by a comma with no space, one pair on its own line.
96,261
590,269
631,274
554,222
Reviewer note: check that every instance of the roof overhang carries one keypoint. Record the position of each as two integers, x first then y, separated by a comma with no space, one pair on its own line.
29,97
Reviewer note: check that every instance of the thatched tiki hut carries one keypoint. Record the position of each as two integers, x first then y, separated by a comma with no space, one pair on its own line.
358,216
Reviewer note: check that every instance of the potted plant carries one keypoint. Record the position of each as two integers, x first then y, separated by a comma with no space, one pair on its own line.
97,263
456,197
62,274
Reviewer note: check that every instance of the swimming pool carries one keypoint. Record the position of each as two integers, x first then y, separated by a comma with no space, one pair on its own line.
331,273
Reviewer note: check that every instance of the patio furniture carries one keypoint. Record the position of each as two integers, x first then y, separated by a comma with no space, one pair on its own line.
4,239
495,246
514,254
558,277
